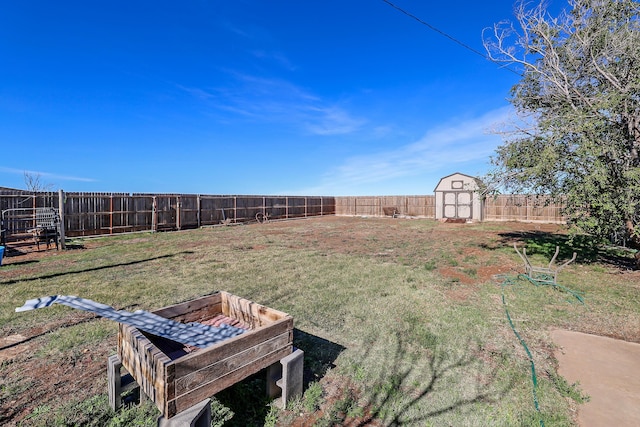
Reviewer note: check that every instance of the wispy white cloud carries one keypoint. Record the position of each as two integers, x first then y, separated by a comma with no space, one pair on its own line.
382,131
196,92
234,29
331,120
46,175
278,101
260,36
445,148
276,57
272,100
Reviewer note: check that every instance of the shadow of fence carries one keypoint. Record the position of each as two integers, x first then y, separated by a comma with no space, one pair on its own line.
91,269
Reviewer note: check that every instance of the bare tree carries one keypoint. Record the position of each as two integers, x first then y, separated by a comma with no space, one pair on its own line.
35,184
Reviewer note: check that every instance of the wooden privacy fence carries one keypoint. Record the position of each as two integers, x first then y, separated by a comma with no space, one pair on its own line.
19,212
417,206
499,208
18,199
523,208
91,214
88,214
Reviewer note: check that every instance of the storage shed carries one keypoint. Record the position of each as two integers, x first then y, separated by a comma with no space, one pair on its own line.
457,198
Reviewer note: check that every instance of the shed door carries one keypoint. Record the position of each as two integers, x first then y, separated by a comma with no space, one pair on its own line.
457,205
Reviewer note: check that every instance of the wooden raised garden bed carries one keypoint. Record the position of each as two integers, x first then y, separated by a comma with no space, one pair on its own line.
176,378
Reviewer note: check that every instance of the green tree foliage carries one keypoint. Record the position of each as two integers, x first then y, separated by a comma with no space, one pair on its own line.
580,99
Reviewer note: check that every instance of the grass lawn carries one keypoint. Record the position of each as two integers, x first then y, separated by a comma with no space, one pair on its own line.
402,321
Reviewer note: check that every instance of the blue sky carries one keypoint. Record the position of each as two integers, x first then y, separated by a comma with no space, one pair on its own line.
247,97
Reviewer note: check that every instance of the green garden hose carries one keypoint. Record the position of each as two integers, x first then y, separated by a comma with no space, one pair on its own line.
538,282
546,280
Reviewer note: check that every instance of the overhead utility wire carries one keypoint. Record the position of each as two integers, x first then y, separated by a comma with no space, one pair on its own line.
442,33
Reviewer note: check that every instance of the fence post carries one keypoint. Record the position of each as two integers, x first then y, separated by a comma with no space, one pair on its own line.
61,214
154,214
111,213
198,211
178,213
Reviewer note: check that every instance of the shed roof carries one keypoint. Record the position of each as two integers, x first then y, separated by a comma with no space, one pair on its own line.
464,177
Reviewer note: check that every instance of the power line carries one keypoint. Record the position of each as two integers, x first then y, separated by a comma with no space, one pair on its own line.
436,29
453,39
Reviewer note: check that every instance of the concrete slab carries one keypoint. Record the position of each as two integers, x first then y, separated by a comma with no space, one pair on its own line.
608,370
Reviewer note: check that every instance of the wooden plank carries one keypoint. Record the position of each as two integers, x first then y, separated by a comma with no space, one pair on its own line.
200,314
253,314
209,303
186,401
147,364
227,348
222,367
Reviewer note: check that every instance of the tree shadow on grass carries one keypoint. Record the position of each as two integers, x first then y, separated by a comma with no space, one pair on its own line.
87,270
248,400
588,249
396,398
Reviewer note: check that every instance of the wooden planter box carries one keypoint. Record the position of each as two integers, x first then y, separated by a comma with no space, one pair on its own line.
176,380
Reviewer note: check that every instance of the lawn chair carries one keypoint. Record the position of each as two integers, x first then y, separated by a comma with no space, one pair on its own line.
47,227
547,274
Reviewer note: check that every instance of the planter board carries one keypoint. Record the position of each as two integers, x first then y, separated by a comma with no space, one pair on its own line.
175,379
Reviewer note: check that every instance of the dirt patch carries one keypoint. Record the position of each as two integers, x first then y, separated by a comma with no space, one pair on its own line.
335,392
13,345
71,375
607,370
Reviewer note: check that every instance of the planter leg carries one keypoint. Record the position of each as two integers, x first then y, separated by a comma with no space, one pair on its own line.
285,378
198,415
118,383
